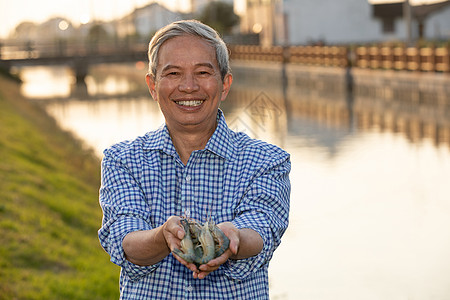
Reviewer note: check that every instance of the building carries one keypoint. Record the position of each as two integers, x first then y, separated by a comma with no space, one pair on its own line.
53,29
295,22
145,21
431,21
265,18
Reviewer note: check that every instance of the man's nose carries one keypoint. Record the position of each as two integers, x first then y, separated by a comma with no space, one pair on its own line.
188,83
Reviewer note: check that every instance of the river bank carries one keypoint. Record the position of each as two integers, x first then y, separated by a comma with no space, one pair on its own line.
369,204
49,212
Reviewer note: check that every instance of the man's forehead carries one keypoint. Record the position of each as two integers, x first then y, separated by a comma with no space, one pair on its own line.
192,50
186,39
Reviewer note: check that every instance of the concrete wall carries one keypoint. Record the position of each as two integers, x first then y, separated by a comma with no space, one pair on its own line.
394,98
438,25
352,21
331,21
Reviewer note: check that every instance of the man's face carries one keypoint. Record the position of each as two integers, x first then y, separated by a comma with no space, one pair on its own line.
188,85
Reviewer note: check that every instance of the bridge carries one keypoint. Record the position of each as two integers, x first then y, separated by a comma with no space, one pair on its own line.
78,56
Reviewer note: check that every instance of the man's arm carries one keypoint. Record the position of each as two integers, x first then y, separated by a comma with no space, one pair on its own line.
244,243
262,219
148,247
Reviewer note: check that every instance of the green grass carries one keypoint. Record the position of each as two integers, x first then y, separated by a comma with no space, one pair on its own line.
49,212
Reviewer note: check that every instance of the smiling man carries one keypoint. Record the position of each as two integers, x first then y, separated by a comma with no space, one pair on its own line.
188,87
194,166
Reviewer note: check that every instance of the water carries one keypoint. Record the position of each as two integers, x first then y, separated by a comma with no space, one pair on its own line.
370,203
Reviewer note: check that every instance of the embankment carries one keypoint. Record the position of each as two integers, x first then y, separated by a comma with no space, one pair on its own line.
49,212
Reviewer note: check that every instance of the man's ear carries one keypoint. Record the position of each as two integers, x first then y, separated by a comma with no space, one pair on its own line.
151,85
226,85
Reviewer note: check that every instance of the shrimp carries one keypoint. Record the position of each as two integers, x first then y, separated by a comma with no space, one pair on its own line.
221,241
201,243
206,242
186,250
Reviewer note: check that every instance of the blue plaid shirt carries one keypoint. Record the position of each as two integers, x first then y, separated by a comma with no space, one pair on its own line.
235,178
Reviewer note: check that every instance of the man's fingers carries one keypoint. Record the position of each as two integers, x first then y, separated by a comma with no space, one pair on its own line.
190,266
173,232
233,235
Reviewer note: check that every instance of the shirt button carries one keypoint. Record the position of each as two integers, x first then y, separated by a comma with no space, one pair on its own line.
188,178
189,288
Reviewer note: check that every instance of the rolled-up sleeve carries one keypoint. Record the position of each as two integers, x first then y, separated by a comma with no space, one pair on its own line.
125,210
265,209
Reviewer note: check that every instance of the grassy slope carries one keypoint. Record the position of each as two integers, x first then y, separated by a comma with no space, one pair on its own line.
49,212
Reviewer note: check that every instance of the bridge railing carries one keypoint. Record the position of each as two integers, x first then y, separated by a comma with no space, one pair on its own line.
252,52
28,50
424,59
319,55
427,59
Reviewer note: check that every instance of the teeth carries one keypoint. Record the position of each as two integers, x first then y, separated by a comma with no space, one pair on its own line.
190,102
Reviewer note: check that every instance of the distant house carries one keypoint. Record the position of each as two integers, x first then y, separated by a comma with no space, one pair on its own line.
431,21
145,21
25,31
56,28
342,21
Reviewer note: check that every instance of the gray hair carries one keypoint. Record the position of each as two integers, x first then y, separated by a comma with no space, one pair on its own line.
194,28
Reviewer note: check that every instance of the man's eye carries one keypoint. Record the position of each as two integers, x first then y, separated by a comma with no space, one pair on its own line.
171,74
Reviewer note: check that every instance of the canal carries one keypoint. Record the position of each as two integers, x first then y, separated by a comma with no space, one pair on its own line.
370,201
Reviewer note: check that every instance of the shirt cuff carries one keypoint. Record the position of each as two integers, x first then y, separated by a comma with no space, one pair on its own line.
243,268
118,230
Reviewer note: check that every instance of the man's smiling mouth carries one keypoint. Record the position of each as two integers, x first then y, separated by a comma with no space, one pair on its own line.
191,103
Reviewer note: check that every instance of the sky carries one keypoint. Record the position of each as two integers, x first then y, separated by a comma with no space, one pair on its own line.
13,12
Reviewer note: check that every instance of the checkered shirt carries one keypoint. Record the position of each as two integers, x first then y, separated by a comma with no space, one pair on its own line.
235,178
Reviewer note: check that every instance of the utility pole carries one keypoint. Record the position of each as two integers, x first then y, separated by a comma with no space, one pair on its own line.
408,20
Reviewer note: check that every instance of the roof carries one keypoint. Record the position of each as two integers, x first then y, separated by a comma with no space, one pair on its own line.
395,10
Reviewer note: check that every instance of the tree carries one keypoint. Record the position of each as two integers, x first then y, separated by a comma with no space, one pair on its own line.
97,33
219,15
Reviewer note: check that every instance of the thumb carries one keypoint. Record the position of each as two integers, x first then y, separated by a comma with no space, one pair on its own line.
180,233
234,246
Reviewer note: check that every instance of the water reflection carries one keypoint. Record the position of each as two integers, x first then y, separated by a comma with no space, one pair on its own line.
100,123
370,216
58,82
126,79
42,82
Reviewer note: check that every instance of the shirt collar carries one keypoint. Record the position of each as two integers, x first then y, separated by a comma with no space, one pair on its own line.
159,140
219,143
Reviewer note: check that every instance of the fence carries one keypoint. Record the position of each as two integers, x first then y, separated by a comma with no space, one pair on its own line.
425,59
428,59
404,58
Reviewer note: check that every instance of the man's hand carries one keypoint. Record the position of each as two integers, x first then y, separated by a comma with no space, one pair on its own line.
173,233
233,235
148,247
244,243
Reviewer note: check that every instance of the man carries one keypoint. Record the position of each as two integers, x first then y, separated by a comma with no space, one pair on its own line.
192,166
